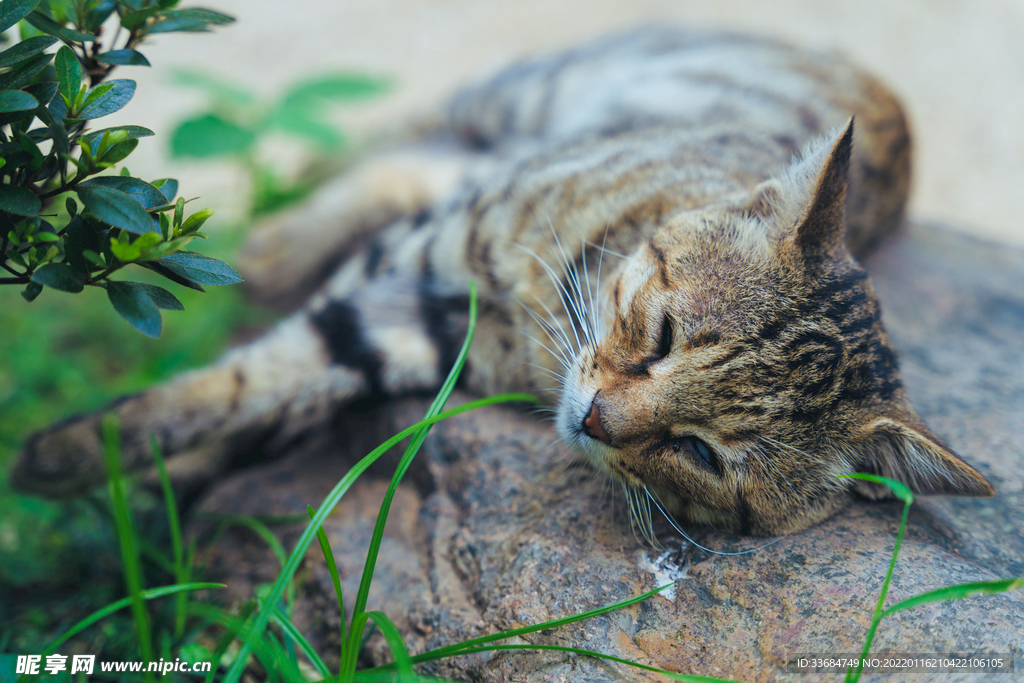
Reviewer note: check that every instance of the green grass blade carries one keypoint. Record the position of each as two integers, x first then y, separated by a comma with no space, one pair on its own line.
332,568
395,642
270,653
403,465
259,528
331,501
904,494
687,678
961,590
229,635
449,650
181,573
234,674
435,407
126,535
264,532
150,594
154,554
288,627
389,677
899,489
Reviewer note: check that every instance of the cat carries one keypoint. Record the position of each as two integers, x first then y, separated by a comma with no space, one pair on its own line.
661,225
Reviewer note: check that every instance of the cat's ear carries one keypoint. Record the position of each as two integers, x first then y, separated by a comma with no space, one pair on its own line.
807,203
909,454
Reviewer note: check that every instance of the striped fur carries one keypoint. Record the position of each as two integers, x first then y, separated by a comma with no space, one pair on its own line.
661,226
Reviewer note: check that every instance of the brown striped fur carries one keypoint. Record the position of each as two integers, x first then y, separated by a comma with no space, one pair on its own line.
661,226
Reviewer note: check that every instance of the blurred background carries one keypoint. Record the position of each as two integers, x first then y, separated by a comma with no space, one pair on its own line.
958,66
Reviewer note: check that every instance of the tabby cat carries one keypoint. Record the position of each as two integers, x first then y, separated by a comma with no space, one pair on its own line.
661,227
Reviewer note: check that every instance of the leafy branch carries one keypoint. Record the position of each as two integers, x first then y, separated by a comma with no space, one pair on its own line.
123,220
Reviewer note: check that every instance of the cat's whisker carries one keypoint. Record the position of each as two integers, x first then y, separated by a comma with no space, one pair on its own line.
563,294
572,275
565,351
554,325
590,295
604,250
548,349
600,262
675,525
564,347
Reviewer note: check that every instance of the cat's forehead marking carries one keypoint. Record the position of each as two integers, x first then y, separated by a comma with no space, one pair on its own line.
637,273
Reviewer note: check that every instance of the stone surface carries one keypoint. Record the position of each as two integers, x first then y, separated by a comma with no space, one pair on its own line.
495,528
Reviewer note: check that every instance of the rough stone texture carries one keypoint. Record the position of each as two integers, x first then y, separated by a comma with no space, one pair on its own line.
495,528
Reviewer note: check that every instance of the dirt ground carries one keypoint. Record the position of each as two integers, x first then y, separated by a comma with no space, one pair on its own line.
958,66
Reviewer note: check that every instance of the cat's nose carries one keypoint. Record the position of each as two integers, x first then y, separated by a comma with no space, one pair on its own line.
592,426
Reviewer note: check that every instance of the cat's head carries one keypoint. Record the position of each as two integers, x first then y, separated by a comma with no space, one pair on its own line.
744,365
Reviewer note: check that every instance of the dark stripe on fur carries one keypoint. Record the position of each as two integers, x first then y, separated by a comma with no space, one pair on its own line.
340,326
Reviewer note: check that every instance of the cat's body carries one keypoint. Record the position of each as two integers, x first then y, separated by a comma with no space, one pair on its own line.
644,243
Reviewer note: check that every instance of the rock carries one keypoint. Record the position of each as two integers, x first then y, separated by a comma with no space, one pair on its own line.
496,528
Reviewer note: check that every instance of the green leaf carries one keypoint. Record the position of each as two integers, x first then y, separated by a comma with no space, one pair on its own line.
140,190
192,20
219,90
156,267
335,87
196,221
123,58
161,297
304,125
51,27
72,206
16,100
165,248
13,11
123,250
115,207
25,49
168,188
962,590
31,291
134,20
58,276
210,136
135,305
179,211
200,269
82,246
131,133
19,201
119,151
900,490
98,14
43,92
69,74
21,77
118,96
93,95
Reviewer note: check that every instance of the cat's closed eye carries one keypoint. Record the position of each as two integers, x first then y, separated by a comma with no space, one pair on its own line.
700,452
665,340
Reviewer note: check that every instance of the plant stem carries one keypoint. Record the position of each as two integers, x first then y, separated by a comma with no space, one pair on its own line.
854,675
